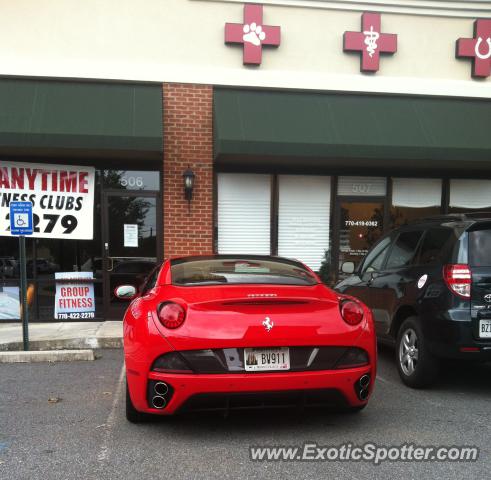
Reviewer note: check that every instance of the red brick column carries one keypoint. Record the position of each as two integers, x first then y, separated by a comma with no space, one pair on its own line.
188,142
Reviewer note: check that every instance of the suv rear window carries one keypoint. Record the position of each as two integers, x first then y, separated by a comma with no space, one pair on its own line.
480,247
236,270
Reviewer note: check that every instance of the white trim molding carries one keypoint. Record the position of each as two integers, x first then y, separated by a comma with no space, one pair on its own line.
248,78
439,8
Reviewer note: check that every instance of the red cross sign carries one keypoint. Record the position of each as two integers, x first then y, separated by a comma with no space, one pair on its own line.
478,48
252,34
370,42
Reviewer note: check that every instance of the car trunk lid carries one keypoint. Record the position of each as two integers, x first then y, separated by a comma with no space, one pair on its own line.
255,315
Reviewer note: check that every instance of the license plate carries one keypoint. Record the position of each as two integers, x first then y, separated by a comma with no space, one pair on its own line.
264,359
485,328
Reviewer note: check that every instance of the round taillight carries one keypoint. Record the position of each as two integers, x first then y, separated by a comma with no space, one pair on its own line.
172,315
351,312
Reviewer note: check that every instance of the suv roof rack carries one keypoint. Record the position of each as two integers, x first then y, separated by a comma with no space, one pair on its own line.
454,216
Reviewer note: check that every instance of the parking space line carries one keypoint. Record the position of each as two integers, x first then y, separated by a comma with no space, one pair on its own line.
105,451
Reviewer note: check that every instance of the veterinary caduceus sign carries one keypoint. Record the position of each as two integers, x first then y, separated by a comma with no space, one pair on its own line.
62,198
370,42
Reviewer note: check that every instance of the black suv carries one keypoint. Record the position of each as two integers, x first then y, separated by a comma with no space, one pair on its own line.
428,284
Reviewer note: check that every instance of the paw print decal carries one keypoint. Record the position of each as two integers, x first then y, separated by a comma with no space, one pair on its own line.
254,34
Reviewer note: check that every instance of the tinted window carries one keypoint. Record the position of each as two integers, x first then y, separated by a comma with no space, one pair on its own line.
435,246
480,248
376,257
403,250
236,270
151,281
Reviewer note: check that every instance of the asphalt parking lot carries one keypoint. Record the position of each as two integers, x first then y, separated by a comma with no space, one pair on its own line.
67,421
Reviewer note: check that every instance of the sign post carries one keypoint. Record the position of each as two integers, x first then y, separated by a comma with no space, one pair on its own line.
21,225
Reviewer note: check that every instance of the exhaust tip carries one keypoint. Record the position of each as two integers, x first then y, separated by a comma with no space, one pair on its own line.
161,388
363,394
364,381
158,402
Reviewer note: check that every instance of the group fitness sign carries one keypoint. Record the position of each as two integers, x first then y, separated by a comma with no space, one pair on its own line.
62,198
369,42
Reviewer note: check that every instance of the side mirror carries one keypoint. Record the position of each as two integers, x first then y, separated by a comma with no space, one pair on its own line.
348,267
125,292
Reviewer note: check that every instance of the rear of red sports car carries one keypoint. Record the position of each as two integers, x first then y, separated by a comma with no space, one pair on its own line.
231,332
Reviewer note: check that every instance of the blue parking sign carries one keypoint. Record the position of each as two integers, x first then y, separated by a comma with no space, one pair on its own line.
21,218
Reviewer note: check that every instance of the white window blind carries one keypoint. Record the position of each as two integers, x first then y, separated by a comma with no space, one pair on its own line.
470,193
362,186
303,218
416,192
244,211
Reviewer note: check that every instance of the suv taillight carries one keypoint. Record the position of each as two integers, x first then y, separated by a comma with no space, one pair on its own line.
458,278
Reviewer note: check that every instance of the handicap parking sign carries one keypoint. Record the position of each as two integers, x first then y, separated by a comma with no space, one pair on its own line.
21,218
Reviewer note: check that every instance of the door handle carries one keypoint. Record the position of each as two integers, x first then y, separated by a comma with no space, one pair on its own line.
110,262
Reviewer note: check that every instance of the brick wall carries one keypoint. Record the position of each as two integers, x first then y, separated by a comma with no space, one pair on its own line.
188,142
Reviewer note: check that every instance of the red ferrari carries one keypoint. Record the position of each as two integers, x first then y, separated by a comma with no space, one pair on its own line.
226,332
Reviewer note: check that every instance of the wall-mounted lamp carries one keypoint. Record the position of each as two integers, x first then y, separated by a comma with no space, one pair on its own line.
188,176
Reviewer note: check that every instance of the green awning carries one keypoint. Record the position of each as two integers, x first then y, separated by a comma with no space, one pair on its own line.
328,129
98,119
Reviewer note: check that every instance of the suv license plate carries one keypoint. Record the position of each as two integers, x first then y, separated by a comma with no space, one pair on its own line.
485,328
264,359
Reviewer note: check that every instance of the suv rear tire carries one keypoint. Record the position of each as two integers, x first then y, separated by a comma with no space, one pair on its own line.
417,367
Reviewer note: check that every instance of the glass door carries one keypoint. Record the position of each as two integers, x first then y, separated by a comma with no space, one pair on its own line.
130,244
360,225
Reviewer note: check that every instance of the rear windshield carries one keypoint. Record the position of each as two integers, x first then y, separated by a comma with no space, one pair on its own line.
480,248
217,271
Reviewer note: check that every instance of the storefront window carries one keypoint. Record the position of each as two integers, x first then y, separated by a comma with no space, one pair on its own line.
66,256
125,214
303,218
414,198
244,213
124,259
10,275
469,195
361,225
361,212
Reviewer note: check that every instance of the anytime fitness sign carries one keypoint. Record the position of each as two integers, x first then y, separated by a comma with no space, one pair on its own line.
62,198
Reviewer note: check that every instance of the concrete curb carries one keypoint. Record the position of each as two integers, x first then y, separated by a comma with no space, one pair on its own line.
65,344
51,356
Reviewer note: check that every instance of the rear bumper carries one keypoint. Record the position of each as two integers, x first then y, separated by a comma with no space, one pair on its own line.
320,398
190,391
447,337
144,345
